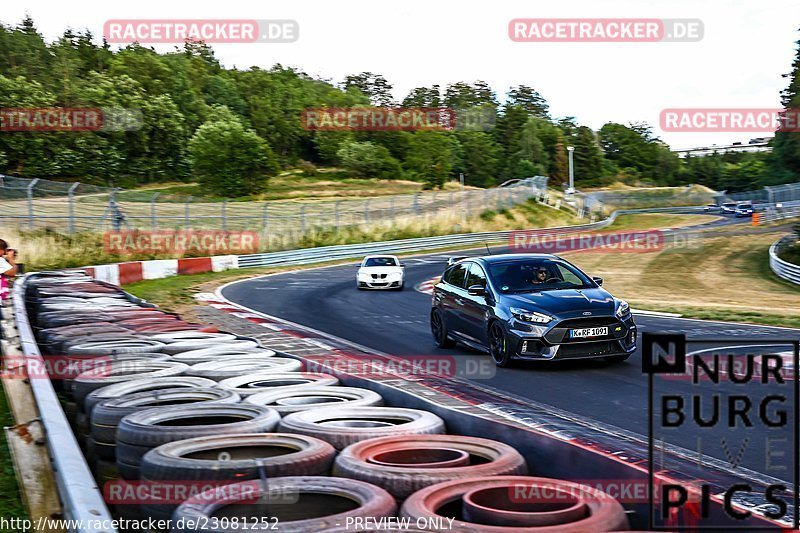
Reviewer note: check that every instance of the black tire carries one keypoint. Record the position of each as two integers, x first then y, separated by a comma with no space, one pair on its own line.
322,503
90,381
344,426
271,381
232,458
230,368
439,331
107,414
287,401
499,348
124,388
613,359
205,355
139,432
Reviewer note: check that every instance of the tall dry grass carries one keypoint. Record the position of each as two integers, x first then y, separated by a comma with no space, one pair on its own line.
47,250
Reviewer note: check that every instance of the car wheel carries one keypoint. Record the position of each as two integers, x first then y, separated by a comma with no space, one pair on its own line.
617,358
498,345
439,331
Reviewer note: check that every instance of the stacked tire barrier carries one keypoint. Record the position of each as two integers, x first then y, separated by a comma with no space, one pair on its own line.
255,443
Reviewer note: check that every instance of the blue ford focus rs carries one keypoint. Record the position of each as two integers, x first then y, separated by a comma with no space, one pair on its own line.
530,307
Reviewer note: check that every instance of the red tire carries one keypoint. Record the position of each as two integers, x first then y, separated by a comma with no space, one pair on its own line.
518,503
405,464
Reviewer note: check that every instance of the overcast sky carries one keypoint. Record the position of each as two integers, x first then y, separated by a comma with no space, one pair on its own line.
747,46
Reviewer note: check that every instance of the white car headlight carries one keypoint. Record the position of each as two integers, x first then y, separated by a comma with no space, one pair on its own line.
530,316
623,308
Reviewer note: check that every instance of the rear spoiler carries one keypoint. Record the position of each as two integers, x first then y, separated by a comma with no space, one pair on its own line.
455,259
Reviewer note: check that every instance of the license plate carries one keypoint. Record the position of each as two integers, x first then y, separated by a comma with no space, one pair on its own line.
589,332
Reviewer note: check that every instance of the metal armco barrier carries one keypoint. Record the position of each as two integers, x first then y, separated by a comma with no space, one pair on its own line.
346,251
783,269
81,500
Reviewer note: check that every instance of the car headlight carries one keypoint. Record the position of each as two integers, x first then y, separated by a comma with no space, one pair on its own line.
623,308
530,316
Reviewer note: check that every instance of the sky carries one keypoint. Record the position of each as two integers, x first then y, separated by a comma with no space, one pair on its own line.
747,47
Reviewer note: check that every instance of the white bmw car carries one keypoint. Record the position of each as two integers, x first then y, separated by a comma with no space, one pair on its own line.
380,272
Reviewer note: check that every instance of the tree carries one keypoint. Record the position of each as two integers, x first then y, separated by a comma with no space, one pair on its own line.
229,159
432,156
369,160
528,99
372,85
424,97
786,144
559,172
587,157
479,159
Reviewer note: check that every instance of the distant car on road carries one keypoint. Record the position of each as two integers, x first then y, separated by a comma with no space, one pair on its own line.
744,210
380,272
711,207
728,208
530,307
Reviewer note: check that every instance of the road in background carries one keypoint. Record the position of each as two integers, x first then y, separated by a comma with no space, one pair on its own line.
396,322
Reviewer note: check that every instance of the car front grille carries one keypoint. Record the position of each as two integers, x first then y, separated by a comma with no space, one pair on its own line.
588,349
378,276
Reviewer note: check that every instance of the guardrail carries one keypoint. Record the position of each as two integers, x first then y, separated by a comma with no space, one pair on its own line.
773,214
347,251
84,508
783,269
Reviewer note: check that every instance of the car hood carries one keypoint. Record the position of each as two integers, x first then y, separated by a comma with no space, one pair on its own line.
381,270
565,302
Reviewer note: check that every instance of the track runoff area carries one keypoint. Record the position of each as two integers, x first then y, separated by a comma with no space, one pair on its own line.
716,393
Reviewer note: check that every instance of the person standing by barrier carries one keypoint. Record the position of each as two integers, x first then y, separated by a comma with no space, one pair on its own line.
8,268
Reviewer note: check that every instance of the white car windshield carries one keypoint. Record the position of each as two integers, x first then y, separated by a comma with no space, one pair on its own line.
380,262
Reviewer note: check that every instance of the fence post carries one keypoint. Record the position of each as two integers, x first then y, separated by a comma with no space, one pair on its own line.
450,200
186,213
153,215
303,219
416,203
31,185
336,214
265,223
499,200
366,211
391,208
70,205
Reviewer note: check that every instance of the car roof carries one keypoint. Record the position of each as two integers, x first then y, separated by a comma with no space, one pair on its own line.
499,258
380,256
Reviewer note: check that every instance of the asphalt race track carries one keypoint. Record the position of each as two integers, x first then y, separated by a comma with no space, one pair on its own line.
396,322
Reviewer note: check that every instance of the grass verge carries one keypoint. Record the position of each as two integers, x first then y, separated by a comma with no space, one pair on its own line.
728,274
10,501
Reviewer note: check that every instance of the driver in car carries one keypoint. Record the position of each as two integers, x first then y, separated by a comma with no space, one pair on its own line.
540,276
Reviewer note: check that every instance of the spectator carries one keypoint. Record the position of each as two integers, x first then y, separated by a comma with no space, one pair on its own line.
8,267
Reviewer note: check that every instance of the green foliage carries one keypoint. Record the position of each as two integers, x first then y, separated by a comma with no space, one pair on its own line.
432,157
181,92
229,159
369,160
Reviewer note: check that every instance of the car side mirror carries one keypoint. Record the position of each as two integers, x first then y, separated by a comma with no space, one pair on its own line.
477,290
597,280
402,265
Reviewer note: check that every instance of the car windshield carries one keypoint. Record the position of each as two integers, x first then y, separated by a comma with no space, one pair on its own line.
380,262
745,206
730,204
536,275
